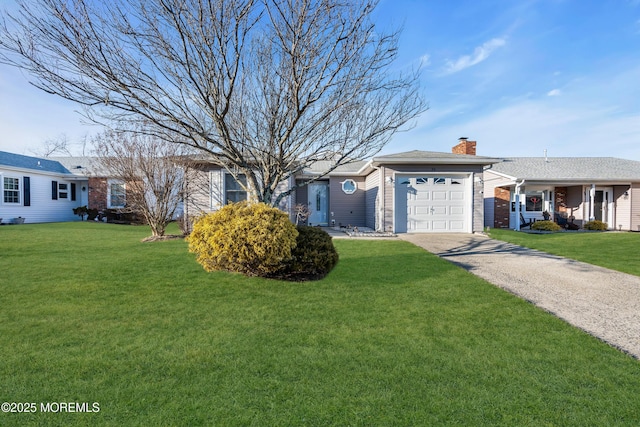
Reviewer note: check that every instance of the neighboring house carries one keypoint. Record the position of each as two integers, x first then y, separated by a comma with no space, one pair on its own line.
105,192
39,190
572,189
416,191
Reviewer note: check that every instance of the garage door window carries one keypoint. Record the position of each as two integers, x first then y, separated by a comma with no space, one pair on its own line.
439,181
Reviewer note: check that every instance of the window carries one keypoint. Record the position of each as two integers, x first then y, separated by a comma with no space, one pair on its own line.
235,190
116,196
439,180
456,181
422,180
63,191
349,186
533,201
11,188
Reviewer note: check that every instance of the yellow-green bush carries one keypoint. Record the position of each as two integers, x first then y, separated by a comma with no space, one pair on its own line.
596,225
249,238
545,226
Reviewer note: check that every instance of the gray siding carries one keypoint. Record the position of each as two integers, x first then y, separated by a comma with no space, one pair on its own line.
478,202
347,209
634,196
623,208
372,191
491,182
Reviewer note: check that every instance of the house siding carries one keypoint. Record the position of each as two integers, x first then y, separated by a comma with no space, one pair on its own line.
634,197
623,208
347,209
497,200
372,191
42,207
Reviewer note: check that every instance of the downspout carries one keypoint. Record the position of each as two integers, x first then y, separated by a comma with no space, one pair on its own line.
517,194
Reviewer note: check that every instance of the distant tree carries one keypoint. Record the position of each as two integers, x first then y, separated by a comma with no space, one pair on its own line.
153,171
59,145
266,87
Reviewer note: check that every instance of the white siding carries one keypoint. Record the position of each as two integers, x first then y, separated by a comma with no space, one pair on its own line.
42,207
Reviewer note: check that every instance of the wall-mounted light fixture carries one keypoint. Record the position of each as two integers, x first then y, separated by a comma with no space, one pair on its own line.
626,195
389,180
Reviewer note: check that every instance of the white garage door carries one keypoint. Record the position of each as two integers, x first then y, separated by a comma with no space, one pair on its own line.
432,203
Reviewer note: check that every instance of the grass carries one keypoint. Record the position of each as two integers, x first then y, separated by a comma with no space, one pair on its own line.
393,336
617,251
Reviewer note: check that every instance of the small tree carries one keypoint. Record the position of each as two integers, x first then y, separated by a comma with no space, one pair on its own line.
153,171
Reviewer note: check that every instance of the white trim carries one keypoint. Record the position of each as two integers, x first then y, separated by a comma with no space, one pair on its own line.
111,182
20,190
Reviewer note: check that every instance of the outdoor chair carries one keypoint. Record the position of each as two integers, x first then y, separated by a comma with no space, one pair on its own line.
524,223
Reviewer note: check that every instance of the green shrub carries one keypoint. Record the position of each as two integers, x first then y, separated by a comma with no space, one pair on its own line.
545,226
596,225
249,238
313,257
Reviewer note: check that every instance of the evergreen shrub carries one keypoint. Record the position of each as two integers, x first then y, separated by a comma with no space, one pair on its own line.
545,226
596,225
313,257
249,238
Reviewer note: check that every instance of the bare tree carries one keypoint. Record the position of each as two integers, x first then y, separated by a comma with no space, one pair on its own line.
266,87
58,145
153,171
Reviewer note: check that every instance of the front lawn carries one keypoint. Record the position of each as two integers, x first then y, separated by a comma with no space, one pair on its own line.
617,251
393,336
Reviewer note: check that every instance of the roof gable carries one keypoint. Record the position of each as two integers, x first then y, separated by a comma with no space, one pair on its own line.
35,163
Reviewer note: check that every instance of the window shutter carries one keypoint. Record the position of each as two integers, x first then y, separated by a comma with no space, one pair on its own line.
73,192
54,190
26,191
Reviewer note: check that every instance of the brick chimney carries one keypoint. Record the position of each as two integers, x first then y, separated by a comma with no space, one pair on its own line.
465,147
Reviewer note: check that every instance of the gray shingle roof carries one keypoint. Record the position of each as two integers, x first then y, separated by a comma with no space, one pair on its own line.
84,166
28,162
569,168
419,156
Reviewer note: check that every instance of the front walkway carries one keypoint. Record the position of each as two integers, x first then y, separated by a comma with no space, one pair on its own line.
602,302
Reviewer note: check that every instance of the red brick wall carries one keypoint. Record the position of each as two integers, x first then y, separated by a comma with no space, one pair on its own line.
465,147
97,193
501,207
560,201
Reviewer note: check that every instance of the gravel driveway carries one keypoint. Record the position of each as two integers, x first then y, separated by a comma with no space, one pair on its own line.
603,302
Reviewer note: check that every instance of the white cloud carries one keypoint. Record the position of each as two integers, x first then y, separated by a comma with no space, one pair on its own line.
425,60
479,54
554,92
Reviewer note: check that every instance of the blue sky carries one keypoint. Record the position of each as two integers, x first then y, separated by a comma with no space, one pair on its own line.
518,77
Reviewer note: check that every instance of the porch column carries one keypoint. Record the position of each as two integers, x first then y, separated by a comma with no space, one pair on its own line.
592,198
517,197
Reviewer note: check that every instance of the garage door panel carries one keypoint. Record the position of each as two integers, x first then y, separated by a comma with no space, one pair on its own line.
439,225
432,205
456,195
457,210
456,225
438,210
439,195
